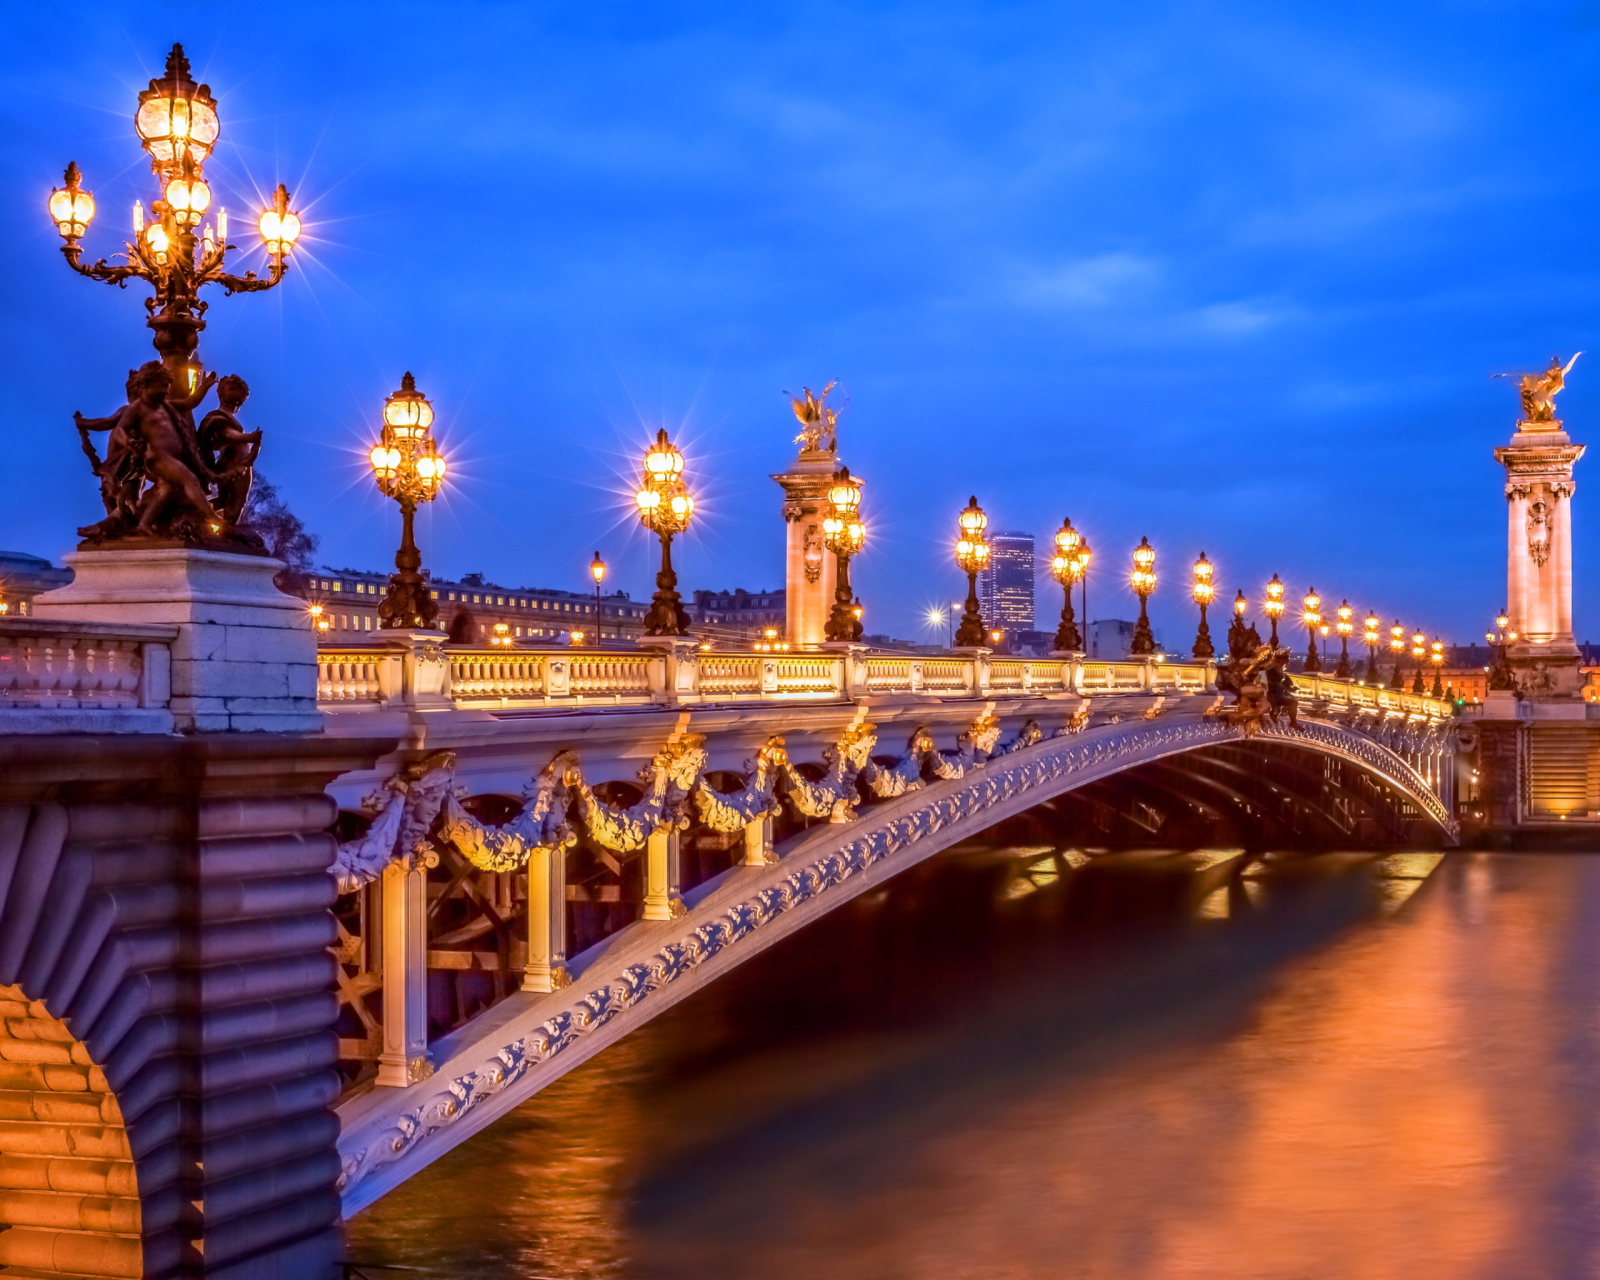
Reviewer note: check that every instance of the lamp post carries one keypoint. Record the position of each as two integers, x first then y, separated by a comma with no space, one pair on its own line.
1143,582
972,557
1082,559
501,637
1238,632
665,509
1397,647
844,535
176,250
1436,656
1312,619
409,469
1273,607
1419,649
597,571
1371,637
1204,591
1344,626
319,621
1500,672
1065,569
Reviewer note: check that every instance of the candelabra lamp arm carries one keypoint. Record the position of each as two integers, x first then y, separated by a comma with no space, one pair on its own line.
249,282
104,271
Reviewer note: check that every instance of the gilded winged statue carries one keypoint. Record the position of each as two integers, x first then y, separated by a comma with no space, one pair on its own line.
1539,390
818,423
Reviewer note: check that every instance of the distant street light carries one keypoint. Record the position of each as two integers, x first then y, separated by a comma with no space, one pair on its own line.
972,557
1397,647
665,508
844,535
1372,637
1312,618
1143,582
409,469
1204,591
597,571
1344,626
1066,569
1273,607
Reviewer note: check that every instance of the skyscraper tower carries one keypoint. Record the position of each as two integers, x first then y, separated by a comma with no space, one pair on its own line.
1006,586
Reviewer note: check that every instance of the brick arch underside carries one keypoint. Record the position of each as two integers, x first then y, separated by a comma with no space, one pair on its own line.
69,1196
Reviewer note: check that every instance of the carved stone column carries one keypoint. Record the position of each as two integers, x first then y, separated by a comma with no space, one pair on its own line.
661,878
404,1059
810,572
758,842
547,920
1539,489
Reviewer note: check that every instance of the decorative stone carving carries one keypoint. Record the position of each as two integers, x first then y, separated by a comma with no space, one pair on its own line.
1038,773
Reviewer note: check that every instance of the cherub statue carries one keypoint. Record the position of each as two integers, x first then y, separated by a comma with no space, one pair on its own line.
151,440
818,423
1539,390
229,450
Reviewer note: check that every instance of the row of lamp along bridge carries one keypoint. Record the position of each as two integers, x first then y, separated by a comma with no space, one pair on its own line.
409,468
178,251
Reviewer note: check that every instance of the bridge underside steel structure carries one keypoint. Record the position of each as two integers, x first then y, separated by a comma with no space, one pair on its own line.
507,914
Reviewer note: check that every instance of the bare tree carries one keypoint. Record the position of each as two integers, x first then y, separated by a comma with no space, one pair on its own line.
285,536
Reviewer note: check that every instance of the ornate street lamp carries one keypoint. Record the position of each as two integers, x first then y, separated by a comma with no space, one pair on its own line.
176,250
1238,633
1344,626
1500,672
319,621
1273,607
1312,618
1397,647
1436,656
409,469
597,571
1066,569
1081,560
501,636
1143,582
1419,649
844,535
1371,638
972,557
665,509
1204,591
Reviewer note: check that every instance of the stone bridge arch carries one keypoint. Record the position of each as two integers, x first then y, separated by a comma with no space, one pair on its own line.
69,1194
530,1040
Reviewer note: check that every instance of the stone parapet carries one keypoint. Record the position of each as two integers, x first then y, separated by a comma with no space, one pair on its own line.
243,656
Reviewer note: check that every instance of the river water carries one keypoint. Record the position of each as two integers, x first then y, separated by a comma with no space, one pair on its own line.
1024,1063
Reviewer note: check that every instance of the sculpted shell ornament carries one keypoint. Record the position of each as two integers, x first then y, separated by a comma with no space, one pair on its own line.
878,838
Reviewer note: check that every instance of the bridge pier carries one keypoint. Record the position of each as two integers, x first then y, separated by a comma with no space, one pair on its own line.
167,1058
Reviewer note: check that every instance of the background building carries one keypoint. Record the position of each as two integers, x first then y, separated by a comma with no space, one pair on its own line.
1005,588
23,576
470,608
738,616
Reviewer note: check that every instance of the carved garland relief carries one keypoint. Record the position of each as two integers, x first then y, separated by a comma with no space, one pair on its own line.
462,1093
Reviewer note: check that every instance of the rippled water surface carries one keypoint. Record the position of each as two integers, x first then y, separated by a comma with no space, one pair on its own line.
1008,1066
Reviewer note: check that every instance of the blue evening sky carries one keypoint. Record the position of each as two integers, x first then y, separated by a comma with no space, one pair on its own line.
1233,276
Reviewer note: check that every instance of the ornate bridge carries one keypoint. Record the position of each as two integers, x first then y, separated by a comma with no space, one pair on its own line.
534,852
570,842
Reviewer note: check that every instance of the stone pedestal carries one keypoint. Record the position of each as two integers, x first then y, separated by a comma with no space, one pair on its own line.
1544,657
810,571
415,670
676,675
245,657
